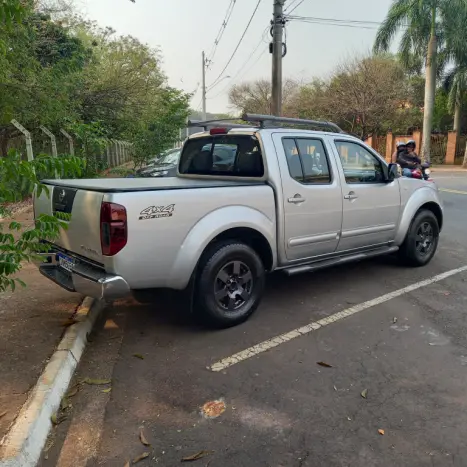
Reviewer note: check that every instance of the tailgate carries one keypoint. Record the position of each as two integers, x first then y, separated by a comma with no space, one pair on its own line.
83,234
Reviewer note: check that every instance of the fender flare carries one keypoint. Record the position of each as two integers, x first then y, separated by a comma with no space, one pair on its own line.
208,228
417,200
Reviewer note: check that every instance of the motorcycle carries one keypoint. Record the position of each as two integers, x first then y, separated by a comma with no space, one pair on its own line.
423,172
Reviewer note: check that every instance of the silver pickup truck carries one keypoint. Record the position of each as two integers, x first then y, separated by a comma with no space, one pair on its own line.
292,199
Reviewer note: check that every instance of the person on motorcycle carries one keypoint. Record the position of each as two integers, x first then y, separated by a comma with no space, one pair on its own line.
408,159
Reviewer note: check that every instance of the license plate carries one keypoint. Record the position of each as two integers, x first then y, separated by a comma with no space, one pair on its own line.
65,262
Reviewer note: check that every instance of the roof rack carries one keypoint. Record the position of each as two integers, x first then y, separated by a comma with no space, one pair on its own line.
216,123
269,120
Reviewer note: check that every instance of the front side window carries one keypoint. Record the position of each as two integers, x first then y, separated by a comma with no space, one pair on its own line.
307,160
359,164
229,155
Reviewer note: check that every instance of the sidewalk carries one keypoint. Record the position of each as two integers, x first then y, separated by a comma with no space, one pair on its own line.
32,321
448,168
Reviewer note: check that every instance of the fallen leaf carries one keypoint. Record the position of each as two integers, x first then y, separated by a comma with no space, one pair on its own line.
335,389
381,432
213,409
106,391
364,393
96,382
143,439
349,419
127,464
447,294
141,457
64,403
73,391
394,320
195,457
138,355
53,419
3,414
326,365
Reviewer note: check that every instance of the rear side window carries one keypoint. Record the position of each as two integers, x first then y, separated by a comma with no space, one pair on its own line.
307,160
229,155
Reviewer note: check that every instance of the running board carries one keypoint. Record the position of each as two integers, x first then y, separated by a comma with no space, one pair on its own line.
326,263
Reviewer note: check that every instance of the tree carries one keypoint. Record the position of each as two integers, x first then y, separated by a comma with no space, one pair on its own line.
424,23
364,96
256,96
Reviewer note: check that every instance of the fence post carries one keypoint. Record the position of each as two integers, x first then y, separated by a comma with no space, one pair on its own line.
451,148
108,152
389,146
53,142
70,141
27,137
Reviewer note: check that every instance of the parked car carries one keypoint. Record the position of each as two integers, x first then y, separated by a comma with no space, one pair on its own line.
292,200
164,166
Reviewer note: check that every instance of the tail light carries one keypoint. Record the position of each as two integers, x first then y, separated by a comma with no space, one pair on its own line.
114,228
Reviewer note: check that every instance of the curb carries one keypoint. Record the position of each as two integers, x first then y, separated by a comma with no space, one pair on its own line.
23,444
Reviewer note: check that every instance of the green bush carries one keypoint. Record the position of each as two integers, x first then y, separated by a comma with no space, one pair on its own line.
17,178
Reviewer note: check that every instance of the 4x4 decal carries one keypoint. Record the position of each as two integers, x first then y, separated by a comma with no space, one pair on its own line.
154,212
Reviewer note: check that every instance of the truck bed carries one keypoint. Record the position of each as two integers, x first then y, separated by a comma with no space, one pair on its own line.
126,185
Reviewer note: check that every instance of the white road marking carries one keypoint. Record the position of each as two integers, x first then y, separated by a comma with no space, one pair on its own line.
457,192
283,338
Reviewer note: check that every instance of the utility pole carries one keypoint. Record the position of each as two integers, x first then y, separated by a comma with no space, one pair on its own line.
276,50
204,86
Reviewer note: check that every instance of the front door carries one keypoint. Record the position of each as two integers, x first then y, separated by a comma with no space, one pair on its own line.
312,196
371,205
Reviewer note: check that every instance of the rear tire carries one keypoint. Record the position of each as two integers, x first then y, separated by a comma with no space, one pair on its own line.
230,284
422,239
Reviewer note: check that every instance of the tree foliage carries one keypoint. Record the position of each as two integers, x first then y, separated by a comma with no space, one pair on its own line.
18,244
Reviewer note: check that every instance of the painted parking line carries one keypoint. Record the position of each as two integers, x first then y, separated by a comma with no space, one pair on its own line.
457,192
283,338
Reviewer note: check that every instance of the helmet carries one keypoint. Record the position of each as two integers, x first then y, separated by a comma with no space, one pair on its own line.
401,144
411,142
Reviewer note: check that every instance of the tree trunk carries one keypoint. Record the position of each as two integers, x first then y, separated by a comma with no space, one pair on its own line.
430,89
457,118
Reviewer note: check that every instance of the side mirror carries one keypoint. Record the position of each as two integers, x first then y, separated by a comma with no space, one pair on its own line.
394,171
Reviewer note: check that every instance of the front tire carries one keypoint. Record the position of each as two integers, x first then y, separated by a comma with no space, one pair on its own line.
422,240
230,284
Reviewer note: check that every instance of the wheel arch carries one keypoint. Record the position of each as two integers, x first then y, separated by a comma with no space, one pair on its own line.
241,223
424,198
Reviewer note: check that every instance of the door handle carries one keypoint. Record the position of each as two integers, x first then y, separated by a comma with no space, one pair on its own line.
297,199
351,196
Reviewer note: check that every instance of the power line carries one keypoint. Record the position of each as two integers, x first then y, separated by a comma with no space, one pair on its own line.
335,20
295,7
238,45
344,25
218,38
247,61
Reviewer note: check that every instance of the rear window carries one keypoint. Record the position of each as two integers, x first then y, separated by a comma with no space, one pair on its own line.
230,155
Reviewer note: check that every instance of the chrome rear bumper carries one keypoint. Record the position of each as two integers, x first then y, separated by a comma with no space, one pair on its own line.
85,279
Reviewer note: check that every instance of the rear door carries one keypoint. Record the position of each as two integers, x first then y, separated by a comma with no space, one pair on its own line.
312,196
371,206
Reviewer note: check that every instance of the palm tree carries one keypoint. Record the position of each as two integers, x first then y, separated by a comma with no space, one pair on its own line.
424,24
455,83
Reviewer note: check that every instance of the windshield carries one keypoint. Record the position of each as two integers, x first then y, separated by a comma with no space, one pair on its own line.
170,158
229,155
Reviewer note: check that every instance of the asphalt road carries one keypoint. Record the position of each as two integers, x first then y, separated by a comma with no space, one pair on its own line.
405,352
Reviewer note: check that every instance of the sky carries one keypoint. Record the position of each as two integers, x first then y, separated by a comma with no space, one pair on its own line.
182,29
